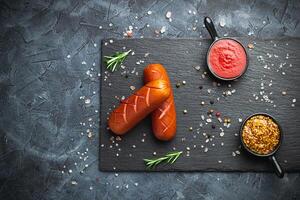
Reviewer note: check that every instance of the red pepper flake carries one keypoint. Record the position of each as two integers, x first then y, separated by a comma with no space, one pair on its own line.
129,33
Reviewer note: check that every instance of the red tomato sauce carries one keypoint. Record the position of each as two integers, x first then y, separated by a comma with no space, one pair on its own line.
227,59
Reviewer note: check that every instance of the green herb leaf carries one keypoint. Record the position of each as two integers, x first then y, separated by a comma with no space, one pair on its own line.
169,158
114,61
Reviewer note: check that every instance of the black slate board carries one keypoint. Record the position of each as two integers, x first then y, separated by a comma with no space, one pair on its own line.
180,56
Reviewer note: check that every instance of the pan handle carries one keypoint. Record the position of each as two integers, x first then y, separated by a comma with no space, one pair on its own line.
278,169
211,28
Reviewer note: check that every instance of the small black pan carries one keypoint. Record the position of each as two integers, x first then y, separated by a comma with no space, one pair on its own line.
213,33
279,171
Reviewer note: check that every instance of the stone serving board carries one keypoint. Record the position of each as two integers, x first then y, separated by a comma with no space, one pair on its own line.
273,69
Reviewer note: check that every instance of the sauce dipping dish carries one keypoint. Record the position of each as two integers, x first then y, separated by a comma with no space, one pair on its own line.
226,58
271,155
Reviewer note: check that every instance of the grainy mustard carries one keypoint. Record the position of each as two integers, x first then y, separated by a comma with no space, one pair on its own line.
261,134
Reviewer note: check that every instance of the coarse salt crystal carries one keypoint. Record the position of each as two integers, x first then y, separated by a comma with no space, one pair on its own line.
222,22
132,87
197,67
74,183
163,29
87,101
168,15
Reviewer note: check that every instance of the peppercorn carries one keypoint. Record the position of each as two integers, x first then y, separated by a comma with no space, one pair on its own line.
209,112
211,102
213,126
200,87
218,114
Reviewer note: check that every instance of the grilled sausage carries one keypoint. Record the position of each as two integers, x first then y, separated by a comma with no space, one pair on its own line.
137,106
164,117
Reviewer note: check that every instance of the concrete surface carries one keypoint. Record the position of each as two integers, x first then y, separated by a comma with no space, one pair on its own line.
44,111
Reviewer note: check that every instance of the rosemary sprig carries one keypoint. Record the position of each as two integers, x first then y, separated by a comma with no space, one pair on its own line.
169,158
114,61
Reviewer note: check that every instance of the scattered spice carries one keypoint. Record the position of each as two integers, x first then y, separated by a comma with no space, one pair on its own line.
251,46
128,33
168,15
74,182
118,138
90,134
87,101
211,111
222,22
205,149
197,67
163,30
132,87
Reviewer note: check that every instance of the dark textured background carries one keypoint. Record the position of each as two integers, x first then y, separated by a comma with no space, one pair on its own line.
42,115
